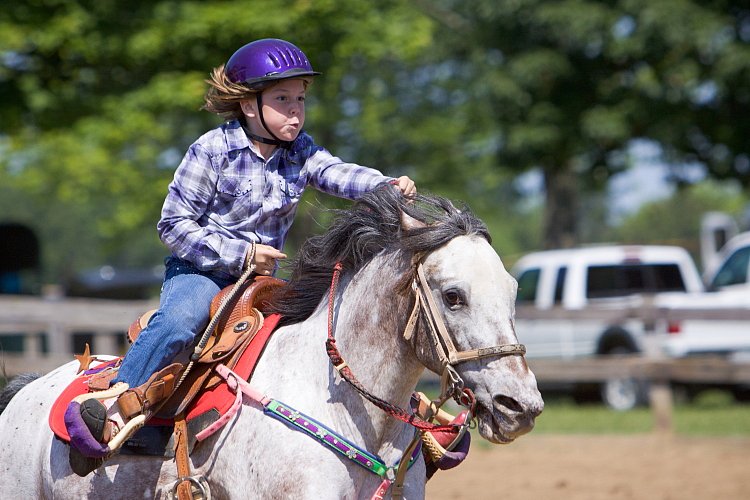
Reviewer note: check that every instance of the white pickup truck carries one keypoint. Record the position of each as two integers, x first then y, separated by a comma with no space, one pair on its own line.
588,301
716,321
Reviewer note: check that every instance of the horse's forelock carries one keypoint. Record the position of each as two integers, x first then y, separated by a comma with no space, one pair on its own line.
370,227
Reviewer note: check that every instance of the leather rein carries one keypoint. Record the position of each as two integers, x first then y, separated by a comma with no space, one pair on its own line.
449,356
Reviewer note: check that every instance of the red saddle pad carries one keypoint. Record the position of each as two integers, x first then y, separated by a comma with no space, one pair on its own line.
217,400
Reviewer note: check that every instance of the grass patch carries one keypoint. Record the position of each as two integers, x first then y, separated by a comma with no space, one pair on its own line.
713,413
569,418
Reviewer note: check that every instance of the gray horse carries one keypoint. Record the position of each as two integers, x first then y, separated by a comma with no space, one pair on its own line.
383,243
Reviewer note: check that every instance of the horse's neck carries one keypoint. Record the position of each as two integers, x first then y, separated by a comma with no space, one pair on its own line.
368,329
368,323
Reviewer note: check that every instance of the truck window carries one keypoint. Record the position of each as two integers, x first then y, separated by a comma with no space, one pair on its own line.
528,282
620,280
560,283
665,278
734,270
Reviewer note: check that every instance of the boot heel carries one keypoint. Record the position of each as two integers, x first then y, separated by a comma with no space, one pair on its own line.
94,415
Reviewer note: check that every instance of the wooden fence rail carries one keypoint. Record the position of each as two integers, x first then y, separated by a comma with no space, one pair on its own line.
705,370
48,327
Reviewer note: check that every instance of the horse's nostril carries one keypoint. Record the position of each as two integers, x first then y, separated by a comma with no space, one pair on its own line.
509,403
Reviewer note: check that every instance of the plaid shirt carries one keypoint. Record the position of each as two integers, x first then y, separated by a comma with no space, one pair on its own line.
225,195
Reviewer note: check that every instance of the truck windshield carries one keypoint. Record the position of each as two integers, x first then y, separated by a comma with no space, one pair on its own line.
734,270
628,279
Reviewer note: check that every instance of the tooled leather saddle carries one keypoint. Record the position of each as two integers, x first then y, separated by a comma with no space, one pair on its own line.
237,342
229,340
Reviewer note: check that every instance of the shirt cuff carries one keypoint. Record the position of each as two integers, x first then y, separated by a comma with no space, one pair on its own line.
236,251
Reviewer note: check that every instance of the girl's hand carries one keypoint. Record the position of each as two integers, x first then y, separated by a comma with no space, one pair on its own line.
406,185
265,259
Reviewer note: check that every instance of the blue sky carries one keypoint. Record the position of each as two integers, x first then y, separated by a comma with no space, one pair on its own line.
644,182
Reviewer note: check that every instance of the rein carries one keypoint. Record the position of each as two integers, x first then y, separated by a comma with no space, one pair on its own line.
346,373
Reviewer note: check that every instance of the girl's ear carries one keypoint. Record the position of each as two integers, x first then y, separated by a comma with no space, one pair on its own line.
248,107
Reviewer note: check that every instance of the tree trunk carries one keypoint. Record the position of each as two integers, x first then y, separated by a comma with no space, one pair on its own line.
560,208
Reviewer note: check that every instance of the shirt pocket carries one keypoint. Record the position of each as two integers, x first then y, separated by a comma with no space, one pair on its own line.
292,189
237,199
234,186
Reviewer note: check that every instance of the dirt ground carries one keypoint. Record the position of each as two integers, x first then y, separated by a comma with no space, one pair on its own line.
600,467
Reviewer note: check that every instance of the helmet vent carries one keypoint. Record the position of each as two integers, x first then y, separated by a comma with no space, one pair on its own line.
274,59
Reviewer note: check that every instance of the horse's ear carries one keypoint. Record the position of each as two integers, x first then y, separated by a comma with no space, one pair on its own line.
409,223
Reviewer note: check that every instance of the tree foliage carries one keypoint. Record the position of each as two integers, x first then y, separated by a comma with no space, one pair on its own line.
100,100
569,84
672,221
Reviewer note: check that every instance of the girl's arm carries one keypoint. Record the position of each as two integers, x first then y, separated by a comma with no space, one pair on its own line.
182,224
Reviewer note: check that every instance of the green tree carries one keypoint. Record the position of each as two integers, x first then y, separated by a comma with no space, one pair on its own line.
99,100
569,84
676,220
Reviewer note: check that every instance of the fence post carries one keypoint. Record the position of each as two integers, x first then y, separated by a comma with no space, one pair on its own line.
660,398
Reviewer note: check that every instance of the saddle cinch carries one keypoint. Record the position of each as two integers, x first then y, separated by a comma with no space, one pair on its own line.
199,395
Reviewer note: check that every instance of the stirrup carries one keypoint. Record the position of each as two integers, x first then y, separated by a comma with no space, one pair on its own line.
80,434
112,392
135,405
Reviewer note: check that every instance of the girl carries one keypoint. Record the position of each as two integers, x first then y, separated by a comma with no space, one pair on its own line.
230,205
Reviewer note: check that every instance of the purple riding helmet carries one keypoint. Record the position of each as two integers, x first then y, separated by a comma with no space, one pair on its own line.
262,62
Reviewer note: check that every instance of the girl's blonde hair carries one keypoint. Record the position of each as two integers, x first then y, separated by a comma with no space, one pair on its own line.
223,97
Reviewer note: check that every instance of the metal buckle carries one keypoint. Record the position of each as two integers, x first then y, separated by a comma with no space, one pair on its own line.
390,475
198,484
455,382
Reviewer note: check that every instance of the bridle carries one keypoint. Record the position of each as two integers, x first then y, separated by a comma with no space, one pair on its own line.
452,386
448,355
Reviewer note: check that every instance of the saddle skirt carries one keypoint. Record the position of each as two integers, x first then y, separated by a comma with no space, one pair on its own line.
237,341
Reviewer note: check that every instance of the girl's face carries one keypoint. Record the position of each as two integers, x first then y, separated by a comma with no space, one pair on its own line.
283,110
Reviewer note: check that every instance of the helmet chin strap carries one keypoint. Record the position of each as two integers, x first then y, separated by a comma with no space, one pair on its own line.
265,140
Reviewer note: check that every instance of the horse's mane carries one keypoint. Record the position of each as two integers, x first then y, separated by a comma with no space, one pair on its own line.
372,225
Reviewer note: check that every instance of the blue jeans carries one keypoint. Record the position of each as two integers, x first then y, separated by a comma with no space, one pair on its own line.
183,314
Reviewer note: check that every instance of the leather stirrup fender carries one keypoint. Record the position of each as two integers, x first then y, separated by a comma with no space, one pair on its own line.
139,400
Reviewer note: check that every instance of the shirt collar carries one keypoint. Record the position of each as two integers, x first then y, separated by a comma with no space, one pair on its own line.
236,137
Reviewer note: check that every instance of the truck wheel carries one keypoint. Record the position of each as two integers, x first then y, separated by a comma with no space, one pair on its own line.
623,394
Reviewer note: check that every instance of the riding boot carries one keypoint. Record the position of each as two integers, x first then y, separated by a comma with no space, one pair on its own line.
98,423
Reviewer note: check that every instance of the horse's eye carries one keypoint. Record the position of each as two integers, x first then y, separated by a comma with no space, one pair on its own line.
453,298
